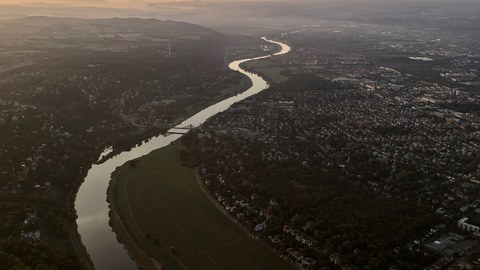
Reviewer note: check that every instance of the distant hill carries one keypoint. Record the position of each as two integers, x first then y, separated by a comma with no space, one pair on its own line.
11,15
272,14
36,24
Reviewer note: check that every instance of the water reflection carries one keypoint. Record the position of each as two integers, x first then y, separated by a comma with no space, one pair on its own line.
91,205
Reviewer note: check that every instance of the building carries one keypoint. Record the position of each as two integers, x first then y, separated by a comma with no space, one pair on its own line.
260,227
450,244
462,224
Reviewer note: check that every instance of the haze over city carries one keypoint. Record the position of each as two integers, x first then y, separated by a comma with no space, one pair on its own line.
240,134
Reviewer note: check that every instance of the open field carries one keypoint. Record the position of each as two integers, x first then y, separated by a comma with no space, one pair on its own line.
265,68
167,212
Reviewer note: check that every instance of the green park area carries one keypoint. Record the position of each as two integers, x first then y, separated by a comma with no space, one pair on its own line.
268,70
167,212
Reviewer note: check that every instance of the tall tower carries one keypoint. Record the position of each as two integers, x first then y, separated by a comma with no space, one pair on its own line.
169,49
225,59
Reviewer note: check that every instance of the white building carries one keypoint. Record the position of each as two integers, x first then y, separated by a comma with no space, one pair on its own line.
462,224
260,227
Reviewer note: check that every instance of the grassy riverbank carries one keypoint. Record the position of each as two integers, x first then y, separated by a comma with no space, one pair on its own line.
167,213
221,93
267,70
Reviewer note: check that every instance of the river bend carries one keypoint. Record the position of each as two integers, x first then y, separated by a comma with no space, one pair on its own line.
91,205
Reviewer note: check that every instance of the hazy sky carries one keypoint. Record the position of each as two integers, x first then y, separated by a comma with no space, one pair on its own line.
96,3
143,4
111,3
103,3
138,3
202,11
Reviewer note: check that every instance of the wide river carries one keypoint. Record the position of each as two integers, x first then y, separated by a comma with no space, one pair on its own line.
91,202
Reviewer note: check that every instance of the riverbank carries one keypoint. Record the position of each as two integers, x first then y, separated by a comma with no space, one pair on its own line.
229,91
143,260
145,135
171,218
207,241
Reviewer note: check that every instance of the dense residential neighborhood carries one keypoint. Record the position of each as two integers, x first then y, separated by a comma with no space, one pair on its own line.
66,98
410,139
359,149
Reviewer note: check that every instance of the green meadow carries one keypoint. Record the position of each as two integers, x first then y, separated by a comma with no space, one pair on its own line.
167,212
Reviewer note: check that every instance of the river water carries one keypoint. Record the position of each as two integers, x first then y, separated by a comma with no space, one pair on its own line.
91,202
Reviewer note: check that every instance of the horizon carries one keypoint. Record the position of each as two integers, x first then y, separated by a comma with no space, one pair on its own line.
239,134
219,13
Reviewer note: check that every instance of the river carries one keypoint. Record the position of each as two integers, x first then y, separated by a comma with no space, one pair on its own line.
91,204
